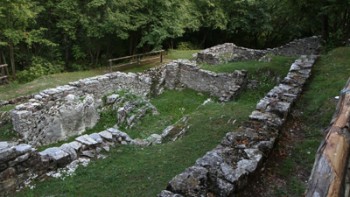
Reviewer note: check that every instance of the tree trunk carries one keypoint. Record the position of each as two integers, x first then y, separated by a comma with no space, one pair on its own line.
12,60
328,174
325,27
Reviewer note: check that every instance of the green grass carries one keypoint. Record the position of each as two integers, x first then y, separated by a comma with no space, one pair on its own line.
180,54
277,64
172,105
7,133
14,89
132,171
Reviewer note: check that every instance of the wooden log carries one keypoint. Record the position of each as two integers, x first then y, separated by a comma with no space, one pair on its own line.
329,171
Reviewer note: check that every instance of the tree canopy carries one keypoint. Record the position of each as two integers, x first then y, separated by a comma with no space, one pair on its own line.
81,34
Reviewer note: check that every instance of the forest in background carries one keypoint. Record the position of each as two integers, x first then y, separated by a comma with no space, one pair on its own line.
39,37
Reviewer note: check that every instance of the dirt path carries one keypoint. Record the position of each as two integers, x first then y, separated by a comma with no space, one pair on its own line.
281,175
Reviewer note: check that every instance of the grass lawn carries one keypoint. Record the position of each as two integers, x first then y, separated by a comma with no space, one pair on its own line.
131,171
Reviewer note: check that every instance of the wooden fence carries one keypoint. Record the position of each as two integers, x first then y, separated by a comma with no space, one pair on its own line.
4,74
329,174
136,59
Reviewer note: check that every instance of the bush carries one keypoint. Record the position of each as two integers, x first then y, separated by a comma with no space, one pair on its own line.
186,46
39,67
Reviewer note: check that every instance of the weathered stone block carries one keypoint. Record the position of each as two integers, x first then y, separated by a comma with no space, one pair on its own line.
192,182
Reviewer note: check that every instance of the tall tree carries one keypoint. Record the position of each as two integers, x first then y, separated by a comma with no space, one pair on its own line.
15,18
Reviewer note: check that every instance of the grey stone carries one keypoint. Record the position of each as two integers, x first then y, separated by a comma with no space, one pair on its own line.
19,159
75,145
4,145
87,140
106,135
224,188
112,98
58,155
23,148
7,154
70,150
192,182
96,137
166,193
154,139
88,153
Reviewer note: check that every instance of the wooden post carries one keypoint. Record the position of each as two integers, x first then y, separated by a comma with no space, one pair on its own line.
110,65
329,171
4,74
161,56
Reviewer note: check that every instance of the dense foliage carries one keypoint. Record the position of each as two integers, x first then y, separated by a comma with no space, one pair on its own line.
81,34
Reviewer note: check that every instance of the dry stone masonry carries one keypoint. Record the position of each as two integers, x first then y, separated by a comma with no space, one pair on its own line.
229,52
58,113
186,74
227,168
65,111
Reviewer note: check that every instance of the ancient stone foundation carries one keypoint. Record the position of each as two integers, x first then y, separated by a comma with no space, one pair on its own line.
227,168
185,74
229,52
65,111
58,113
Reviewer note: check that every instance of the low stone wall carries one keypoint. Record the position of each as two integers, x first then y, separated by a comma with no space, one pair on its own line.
227,168
229,52
58,113
186,74
20,164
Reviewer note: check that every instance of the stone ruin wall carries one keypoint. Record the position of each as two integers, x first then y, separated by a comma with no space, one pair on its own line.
229,52
222,171
227,168
58,113
185,74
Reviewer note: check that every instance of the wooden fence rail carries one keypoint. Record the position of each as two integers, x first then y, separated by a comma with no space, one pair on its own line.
136,59
330,168
4,74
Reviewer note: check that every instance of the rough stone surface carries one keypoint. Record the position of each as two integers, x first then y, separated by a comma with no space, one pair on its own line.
87,140
57,155
192,182
65,111
180,74
229,52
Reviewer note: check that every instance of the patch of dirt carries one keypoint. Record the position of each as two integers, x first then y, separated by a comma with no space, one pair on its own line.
275,178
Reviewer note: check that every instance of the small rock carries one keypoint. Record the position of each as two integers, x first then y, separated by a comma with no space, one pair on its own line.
23,148
87,140
154,139
88,153
96,137
106,135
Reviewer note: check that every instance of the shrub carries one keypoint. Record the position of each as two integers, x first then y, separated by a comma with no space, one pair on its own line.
186,46
39,67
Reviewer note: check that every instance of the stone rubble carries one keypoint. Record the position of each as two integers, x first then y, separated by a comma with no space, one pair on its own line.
226,169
